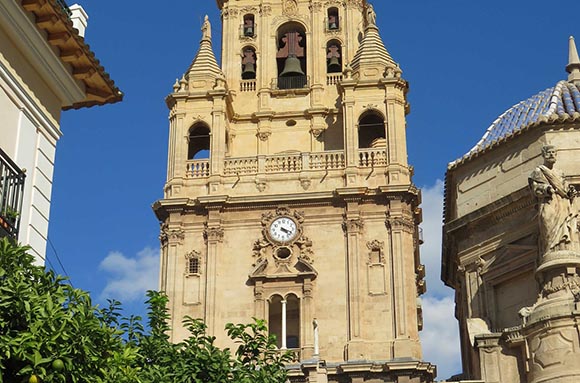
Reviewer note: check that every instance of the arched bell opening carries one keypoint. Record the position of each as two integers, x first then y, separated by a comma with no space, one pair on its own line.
249,26
248,63
291,56
371,131
198,142
333,57
333,20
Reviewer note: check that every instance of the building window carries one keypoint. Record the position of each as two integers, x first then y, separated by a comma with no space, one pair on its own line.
193,266
371,131
193,263
248,63
333,19
284,321
333,57
199,142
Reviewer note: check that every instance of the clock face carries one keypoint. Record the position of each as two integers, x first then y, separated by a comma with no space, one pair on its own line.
283,229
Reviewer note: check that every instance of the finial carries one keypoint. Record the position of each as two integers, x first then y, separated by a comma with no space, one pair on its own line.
573,66
176,85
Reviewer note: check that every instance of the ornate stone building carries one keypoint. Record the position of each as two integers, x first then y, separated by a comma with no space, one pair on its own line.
289,196
511,249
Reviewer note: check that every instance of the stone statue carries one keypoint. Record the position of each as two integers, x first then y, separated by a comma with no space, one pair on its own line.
206,28
558,214
370,15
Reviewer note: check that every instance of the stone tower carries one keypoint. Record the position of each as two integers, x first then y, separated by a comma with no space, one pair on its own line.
288,194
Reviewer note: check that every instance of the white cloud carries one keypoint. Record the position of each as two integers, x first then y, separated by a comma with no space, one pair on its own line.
440,336
130,277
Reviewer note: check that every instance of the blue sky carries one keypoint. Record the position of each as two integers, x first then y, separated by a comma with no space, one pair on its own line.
466,61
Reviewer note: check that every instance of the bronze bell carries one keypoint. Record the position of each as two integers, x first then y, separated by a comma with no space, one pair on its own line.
249,71
333,25
292,67
249,30
334,65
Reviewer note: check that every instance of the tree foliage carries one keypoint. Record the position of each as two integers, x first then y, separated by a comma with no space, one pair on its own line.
51,332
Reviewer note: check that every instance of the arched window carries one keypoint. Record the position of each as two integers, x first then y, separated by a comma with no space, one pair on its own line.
199,136
291,56
333,57
249,26
248,63
333,19
284,320
371,131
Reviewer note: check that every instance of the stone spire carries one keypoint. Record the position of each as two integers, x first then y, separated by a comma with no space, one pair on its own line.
371,53
573,66
204,69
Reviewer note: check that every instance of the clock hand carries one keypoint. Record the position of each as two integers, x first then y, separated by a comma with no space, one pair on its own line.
285,230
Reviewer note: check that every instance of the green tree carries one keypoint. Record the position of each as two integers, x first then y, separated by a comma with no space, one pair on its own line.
51,332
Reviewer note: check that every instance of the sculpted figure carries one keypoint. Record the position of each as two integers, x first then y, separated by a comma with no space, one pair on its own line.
371,16
558,214
206,28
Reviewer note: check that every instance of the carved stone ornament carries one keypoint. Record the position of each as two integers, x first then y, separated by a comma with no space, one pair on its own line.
264,135
213,234
271,257
305,183
265,10
315,6
290,7
193,254
375,245
261,185
317,132
173,235
401,223
353,225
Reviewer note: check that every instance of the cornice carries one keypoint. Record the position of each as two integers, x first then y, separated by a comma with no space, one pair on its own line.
39,53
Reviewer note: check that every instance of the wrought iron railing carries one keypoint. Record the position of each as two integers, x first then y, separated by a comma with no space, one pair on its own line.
11,194
291,82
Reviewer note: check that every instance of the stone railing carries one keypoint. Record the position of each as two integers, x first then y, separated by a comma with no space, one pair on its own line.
248,85
327,160
288,163
369,158
333,78
244,165
197,168
284,163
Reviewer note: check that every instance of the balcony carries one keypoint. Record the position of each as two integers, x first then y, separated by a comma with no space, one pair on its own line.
11,194
289,163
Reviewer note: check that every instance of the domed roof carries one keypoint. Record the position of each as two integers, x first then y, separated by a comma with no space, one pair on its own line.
562,99
559,102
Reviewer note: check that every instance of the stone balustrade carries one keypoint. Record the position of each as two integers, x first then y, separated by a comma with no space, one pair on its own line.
333,78
248,85
288,163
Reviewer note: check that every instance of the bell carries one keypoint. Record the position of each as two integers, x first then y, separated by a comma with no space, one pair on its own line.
333,25
249,31
334,65
249,71
292,67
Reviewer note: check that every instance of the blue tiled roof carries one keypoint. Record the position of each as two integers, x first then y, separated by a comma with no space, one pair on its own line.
562,99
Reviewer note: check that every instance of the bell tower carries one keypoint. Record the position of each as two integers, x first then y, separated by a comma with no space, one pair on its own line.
288,193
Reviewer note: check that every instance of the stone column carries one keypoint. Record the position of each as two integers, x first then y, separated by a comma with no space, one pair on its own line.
283,325
172,237
353,226
214,235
